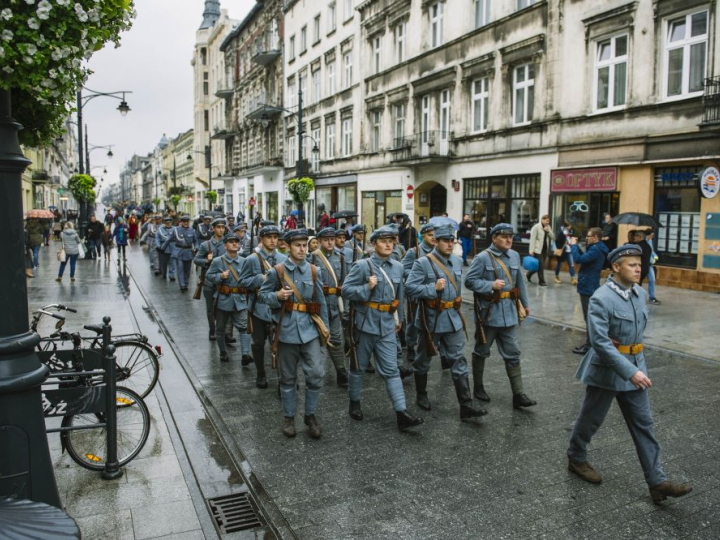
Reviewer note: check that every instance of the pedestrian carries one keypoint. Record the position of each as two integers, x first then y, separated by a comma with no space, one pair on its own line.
435,284
167,263
205,229
609,232
227,299
615,369
541,237
652,271
28,256
330,262
253,275
501,301
230,220
71,244
408,233
591,265
35,236
563,242
324,219
355,247
294,291
121,235
47,228
312,244
290,223
107,242
133,227
57,226
183,240
375,286
93,235
465,234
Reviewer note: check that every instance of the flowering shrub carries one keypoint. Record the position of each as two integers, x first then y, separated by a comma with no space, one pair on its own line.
42,47
81,186
300,188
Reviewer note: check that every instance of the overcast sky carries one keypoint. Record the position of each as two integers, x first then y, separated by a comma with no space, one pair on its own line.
153,62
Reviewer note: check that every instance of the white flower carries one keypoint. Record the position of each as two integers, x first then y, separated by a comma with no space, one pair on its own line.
52,74
40,39
30,2
63,2
6,35
2,52
6,14
8,69
80,12
43,10
94,15
31,49
56,54
83,43
28,59
33,23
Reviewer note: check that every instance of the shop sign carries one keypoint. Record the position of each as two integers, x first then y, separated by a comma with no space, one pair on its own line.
710,182
410,192
600,179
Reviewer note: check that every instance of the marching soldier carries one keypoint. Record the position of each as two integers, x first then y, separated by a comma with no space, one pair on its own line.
435,284
331,263
615,369
230,220
495,278
164,249
254,242
184,240
204,228
252,277
294,291
231,298
375,287
150,230
355,247
209,250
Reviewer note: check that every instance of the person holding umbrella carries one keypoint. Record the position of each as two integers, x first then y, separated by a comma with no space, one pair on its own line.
35,236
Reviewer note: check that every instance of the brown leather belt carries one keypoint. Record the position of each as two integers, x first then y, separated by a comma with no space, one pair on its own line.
635,348
227,289
385,308
496,297
311,308
332,291
442,306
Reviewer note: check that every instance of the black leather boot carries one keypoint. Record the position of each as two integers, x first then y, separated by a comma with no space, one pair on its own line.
421,389
342,378
405,420
478,368
467,410
259,359
445,362
356,411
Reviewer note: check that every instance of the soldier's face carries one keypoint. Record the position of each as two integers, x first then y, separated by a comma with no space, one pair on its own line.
298,249
185,224
231,246
327,243
339,241
627,270
384,247
270,241
503,241
219,230
445,246
429,238
359,236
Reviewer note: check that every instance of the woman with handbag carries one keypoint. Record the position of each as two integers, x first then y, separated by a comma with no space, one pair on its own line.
70,250
564,252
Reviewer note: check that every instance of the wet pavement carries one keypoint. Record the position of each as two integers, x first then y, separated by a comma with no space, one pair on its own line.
502,477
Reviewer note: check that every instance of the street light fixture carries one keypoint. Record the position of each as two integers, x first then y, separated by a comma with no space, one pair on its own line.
124,108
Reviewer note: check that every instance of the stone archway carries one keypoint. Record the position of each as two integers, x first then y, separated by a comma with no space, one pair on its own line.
431,200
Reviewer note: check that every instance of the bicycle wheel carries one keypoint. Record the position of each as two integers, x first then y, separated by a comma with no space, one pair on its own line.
88,447
138,367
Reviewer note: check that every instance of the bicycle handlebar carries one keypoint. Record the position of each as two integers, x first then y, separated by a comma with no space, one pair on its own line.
56,316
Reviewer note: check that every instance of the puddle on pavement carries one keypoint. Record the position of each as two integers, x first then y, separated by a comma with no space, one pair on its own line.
217,451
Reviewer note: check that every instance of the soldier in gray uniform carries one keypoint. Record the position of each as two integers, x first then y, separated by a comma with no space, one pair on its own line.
209,250
355,248
252,277
230,220
615,369
435,284
330,262
230,297
150,229
204,229
495,276
184,240
252,243
167,263
294,291
375,286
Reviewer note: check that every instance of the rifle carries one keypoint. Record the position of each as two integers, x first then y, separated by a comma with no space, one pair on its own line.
276,327
480,334
253,227
201,280
354,362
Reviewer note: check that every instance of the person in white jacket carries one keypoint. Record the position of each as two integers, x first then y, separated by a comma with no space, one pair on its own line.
541,237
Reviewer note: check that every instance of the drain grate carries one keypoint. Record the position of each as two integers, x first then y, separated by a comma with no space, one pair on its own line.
234,513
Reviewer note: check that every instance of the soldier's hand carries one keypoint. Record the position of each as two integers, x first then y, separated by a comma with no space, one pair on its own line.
498,285
640,380
210,257
440,284
284,293
398,326
372,281
527,311
225,274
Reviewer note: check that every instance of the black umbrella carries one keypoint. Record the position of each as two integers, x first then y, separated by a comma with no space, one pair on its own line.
396,215
638,219
344,214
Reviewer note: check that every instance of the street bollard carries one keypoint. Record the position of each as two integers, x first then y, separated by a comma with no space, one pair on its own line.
112,466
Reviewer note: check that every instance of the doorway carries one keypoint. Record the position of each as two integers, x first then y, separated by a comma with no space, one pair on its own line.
438,200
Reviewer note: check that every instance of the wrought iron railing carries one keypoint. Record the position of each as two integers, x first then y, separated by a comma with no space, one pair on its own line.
711,101
422,145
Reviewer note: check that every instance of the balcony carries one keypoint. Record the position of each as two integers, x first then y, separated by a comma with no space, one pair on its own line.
55,180
262,105
225,92
272,162
711,101
40,176
430,145
268,52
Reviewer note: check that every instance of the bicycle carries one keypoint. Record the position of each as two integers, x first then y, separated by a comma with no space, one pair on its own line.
137,362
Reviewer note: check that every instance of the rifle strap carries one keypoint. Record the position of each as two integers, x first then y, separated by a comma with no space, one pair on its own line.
264,265
230,268
328,266
323,332
395,293
435,261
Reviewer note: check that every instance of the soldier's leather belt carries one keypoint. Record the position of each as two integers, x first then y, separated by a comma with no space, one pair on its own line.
311,308
385,308
442,306
635,348
496,297
332,291
185,247
227,289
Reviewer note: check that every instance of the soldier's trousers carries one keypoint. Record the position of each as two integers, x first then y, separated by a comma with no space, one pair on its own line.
167,265
336,339
452,345
385,350
310,359
262,332
635,408
507,344
238,319
153,256
183,272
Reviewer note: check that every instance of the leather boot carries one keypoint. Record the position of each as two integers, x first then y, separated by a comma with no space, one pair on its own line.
211,337
668,489
356,411
405,372
313,426
289,427
224,356
342,378
467,410
246,360
445,362
421,389
585,471
478,368
520,399
405,420
259,359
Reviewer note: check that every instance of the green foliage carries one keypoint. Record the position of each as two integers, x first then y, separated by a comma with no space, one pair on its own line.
156,201
211,196
300,188
175,200
177,190
81,186
42,48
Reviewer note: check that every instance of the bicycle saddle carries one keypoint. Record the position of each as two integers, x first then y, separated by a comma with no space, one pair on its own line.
94,328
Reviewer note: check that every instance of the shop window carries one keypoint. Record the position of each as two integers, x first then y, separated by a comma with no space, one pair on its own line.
611,73
686,40
523,94
583,210
377,205
677,208
272,206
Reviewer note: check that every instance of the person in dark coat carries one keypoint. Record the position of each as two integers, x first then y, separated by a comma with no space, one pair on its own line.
610,232
638,238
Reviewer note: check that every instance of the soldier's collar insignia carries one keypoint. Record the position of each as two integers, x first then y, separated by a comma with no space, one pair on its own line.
615,287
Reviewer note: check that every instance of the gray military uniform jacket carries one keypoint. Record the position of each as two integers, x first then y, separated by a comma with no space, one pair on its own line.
217,248
182,239
410,257
252,278
336,264
227,302
296,327
420,285
356,289
163,233
479,279
619,314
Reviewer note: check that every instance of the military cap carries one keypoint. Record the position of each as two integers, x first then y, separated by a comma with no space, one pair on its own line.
266,223
240,227
502,228
427,228
167,218
444,232
207,217
359,228
218,221
327,232
394,227
201,216
157,216
295,234
382,232
628,250
230,238
229,216
184,217
269,229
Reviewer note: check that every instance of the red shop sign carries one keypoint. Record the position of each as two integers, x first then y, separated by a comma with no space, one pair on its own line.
600,179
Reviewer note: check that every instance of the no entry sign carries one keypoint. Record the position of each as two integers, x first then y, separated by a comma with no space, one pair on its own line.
410,192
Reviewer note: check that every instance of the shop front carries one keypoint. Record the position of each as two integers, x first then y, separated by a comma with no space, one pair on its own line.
336,194
377,205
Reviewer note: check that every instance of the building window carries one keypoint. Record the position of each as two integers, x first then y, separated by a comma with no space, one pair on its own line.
347,67
206,120
203,56
291,52
303,39
291,151
316,29
400,31
292,93
347,137
444,122
522,4
436,24
523,94
376,131
686,54
302,81
482,13
330,141
331,78
332,17
376,45
480,102
348,9
399,134
206,84
315,156
611,73
376,205
317,86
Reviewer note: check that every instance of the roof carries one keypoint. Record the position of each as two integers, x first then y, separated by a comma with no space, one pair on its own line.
259,5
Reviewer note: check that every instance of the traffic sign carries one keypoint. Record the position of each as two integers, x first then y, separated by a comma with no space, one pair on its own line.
410,192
